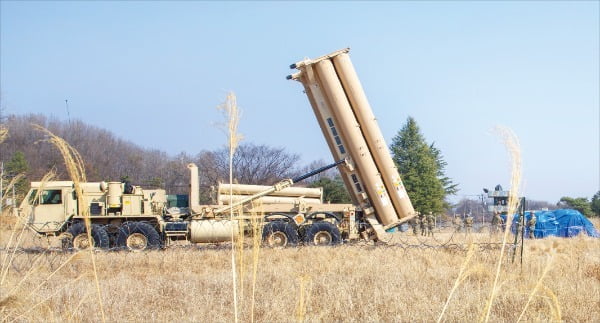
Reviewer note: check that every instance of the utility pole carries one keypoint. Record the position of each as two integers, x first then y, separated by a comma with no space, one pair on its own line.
68,113
482,209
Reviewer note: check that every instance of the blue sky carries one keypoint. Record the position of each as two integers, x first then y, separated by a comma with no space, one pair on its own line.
153,73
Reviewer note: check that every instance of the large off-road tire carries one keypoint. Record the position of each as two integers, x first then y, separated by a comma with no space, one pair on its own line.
280,234
80,239
137,236
322,234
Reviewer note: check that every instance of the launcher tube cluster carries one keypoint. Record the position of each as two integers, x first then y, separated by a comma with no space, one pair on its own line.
351,131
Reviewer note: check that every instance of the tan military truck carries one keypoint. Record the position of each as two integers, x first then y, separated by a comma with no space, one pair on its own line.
131,217
127,216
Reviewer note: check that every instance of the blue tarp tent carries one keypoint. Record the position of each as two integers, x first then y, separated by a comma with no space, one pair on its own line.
561,223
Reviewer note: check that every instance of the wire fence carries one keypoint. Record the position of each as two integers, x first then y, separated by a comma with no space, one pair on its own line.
485,238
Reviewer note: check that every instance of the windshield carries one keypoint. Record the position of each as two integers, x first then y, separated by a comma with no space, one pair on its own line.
46,197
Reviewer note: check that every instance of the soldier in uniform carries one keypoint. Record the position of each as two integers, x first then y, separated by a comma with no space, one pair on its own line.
423,221
518,227
414,222
468,223
458,223
496,222
531,225
430,224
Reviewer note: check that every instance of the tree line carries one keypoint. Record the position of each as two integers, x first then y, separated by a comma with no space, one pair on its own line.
109,158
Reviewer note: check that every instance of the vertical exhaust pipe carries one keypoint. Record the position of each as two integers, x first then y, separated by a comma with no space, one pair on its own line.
194,188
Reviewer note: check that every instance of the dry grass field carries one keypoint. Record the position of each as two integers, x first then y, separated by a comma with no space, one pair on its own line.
558,281
411,280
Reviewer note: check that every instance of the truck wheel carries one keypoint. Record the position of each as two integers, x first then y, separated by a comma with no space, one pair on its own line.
80,238
137,236
322,234
280,234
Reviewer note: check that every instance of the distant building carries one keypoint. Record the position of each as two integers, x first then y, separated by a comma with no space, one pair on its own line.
500,198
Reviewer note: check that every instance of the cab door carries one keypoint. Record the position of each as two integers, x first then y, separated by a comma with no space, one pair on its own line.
48,214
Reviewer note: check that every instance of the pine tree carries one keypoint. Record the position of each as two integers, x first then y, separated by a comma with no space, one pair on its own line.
450,188
334,190
596,204
15,166
422,169
581,204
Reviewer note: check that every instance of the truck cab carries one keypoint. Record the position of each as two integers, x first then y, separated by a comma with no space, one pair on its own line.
49,205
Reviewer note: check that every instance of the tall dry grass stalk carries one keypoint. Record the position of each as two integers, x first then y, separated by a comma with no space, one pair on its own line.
231,112
553,304
3,133
372,283
303,297
58,291
511,142
461,276
44,282
14,242
238,247
76,169
239,262
256,223
538,285
9,187
15,239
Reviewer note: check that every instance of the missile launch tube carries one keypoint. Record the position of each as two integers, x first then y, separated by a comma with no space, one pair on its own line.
224,199
357,147
322,111
373,136
245,189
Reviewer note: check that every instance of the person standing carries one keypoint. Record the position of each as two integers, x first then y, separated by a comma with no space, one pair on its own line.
496,222
468,223
423,221
458,223
414,222
531,225
430,224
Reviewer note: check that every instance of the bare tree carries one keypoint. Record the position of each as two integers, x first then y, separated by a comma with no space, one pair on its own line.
475,206
253,164
106,157
109,158
540,205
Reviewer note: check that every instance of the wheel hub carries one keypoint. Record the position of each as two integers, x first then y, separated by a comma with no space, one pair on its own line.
137,241
323,238
278,239
81,241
